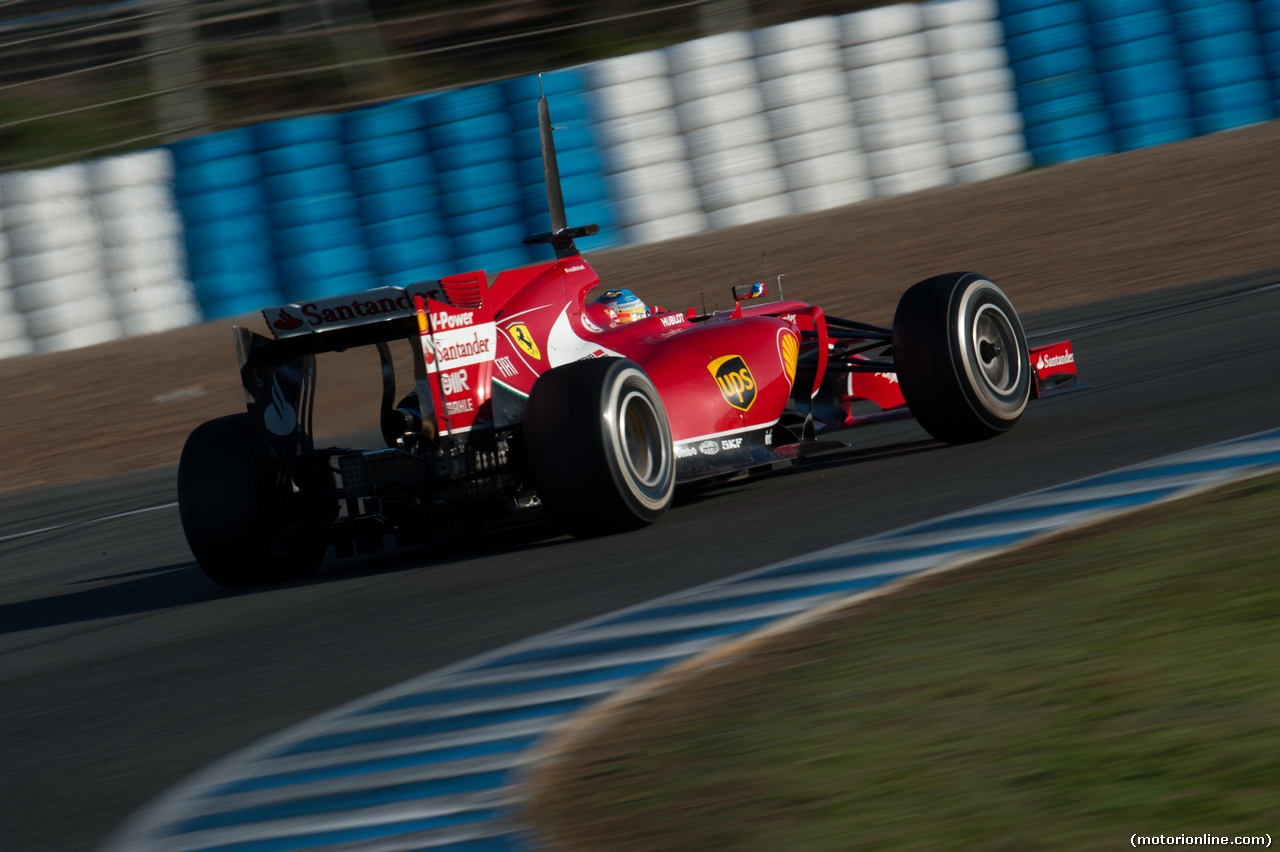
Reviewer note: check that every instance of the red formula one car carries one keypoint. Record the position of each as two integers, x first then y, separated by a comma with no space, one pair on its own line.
529,399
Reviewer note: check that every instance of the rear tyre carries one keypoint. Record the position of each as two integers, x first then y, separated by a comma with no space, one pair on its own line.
599,445
228,522
961,357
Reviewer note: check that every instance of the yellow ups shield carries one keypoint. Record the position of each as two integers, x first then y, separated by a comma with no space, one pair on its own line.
737,385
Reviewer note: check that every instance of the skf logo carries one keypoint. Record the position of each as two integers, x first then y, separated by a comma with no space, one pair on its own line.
735,380
287,322
522,338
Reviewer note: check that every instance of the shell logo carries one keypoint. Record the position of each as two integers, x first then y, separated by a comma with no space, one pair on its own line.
789,349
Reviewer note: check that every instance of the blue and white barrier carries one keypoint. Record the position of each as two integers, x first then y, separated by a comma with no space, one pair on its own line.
227,233
707,134
438,762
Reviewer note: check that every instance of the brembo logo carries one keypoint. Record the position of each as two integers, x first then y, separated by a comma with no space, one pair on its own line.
578,268
737,385
1055,360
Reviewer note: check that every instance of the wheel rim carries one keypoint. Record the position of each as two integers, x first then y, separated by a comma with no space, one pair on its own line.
642,442
992,352
995,343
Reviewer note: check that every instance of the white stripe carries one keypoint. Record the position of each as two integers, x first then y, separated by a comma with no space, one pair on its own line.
380,815
650,626
429,839
116,516
756,428
380,751
455,709
535,668
367,780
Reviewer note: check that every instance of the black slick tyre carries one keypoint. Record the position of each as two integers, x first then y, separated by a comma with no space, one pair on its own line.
228,522
961,357
599,447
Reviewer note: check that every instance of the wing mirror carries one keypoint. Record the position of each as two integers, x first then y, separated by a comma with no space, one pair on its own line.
748,291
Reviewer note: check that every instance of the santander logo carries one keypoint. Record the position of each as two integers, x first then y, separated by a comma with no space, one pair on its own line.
1055,360
287,322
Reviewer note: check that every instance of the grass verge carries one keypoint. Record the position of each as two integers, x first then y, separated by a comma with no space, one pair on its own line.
1120,680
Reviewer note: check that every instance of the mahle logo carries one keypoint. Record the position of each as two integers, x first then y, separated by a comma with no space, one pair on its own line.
735,380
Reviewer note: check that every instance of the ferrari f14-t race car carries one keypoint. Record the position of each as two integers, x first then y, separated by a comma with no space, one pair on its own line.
530,401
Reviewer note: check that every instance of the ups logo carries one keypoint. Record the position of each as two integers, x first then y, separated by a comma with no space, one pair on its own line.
735,380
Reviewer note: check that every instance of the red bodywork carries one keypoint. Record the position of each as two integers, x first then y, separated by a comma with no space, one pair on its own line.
716,377
725,380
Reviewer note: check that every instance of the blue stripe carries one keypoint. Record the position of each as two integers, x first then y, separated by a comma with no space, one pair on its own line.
604,646
347,801
1135,499
879,557
435,726
758,598
505,745
506,843
1176,470
348,835
535,684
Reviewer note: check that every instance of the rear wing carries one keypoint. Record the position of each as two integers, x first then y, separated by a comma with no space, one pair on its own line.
447,324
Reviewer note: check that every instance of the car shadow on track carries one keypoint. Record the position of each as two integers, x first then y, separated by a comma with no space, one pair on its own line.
182,584
161,588
860,455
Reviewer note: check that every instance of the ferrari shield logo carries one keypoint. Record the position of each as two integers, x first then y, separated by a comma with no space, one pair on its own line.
737,385
524,340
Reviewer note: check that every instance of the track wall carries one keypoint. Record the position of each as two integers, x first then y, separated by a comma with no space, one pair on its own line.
707,134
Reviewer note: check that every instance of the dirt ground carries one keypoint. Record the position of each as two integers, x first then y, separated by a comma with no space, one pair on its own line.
1197,210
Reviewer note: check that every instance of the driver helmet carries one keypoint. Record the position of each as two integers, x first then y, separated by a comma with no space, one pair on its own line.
624,306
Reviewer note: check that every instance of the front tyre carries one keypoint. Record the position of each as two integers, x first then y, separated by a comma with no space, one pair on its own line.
961,357
599,447
228,522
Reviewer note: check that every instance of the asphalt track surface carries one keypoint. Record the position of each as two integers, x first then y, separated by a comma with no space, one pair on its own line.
123,670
